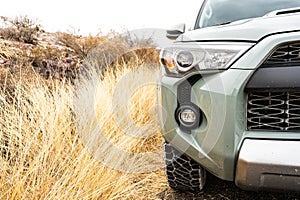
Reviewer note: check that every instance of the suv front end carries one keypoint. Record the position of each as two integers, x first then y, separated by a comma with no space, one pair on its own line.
231,104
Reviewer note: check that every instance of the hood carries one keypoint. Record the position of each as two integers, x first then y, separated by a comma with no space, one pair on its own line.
245,30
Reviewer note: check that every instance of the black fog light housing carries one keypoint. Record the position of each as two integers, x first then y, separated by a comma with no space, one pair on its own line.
188,116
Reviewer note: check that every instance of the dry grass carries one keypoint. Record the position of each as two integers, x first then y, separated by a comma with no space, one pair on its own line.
57,142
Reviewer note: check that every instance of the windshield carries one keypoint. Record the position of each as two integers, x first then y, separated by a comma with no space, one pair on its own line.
217,12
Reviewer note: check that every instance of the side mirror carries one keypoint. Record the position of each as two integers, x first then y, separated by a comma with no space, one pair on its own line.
176,31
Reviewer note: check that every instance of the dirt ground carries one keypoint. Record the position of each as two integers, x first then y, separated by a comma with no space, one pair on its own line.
217,189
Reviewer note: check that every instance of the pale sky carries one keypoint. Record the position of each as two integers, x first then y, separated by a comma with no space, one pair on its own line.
90,16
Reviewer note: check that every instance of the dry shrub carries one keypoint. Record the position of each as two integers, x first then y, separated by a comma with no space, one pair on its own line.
80,45
44,156
22,29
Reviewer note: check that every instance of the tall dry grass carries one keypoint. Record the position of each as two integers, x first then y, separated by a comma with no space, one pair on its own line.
58,141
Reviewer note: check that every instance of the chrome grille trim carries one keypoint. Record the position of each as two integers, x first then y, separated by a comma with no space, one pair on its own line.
279,111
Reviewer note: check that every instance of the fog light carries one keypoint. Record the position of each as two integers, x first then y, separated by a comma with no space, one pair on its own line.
187,116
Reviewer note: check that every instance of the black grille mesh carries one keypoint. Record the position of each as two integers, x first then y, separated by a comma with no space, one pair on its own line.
185,88
273,111
285,55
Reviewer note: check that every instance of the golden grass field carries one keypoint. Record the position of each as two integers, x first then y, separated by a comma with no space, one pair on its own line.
68,138
43,129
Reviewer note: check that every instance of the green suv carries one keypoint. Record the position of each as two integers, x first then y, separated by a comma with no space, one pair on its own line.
229,96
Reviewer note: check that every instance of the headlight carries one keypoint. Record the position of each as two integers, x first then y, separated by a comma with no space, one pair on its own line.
184,60
181,59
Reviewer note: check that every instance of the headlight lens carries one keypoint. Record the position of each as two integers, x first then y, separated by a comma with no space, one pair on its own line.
185,60
181,59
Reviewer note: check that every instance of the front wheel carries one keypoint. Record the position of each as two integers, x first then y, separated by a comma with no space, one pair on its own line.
183,173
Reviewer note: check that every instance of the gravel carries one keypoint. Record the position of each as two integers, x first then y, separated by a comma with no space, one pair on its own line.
219,189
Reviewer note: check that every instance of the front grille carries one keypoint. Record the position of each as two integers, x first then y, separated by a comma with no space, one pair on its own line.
284,55
276,111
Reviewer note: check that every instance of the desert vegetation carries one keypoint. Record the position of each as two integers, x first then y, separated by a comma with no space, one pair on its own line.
56,93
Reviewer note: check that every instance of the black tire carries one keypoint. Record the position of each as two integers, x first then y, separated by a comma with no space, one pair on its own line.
183,173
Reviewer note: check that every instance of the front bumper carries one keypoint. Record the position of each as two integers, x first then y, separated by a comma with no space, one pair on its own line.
221,99
269,165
